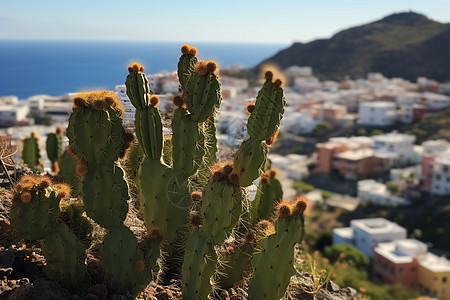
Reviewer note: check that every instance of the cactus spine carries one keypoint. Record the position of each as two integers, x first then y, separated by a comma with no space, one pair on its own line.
97,139
36,213
31,154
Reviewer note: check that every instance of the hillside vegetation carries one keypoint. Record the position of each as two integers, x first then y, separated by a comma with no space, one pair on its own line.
404,45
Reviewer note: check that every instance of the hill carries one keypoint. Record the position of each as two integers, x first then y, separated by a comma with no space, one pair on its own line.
404,45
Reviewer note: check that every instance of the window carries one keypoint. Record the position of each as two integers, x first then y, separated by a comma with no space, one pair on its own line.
400,270
444,279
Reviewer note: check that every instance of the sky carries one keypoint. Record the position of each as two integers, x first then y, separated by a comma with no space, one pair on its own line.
261,21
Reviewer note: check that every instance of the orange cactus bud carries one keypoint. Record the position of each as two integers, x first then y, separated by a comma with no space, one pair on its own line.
200,68
234,178
139,266
270,141
227,169
25,197
196,196
250,107
273,173
81,168
278,83
211,66
99,104
300,205
135,67
44,182
63,190
265,180
154,100
179,101
59,130
193,51
195,219
185,49
284,209
156,235
268,75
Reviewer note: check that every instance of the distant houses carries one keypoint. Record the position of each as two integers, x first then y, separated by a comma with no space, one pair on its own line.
396,259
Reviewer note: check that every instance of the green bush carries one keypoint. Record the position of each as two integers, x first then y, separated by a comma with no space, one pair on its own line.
303,187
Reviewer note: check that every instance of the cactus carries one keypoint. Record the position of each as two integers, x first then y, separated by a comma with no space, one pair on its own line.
268,195
165,189
35,213
273,262
31,154
97,140
53,147
67,171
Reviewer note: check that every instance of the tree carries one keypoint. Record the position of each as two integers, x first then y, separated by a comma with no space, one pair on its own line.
322,129
376,132
352,255
361,132
392,187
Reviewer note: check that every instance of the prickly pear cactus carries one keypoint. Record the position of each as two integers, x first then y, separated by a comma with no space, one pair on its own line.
31,154
268,195
53,146
165,190
35,213
97,140
273,262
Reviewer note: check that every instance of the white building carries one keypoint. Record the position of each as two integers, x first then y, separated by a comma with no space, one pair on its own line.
296,71
11,115
365,234
370,191
435,101
130,110
440,181
401,144
378,113
294,165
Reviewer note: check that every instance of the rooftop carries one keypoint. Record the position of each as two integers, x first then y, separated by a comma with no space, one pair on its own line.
402,251
355,154
377,226
435,263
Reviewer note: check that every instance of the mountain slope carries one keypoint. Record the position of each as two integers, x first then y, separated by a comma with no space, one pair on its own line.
405,45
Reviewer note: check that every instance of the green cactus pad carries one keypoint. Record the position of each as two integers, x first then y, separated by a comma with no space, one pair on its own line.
72,215
31,154
250,160
126,268
188,142
105,195
38,217
53,146
65,257
268,112
199,264
203,96
273,261
67,164
185,68
95,135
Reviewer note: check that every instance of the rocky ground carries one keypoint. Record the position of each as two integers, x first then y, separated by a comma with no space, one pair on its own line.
22,274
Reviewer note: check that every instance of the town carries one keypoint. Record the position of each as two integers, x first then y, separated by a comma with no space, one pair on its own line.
344,145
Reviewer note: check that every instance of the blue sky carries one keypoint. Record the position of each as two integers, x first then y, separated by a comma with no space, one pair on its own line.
199,21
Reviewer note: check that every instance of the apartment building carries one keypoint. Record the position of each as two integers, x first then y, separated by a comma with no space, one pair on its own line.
365,234
378,113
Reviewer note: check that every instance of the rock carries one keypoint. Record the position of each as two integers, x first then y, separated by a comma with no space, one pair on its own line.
100,290
41,289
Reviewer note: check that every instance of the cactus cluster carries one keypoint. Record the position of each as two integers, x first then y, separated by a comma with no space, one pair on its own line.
97,139
36,213
199,221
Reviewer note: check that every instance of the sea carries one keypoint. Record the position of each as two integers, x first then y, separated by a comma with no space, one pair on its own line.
56,68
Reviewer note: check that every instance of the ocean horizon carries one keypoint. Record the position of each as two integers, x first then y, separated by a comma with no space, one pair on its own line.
56,68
